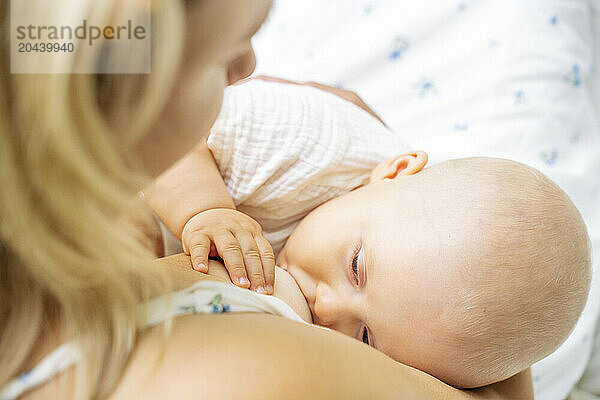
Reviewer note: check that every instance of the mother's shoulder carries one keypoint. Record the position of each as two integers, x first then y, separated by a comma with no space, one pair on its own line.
262,356
216,356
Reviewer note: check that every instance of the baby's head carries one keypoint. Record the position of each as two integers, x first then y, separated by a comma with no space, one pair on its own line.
470,270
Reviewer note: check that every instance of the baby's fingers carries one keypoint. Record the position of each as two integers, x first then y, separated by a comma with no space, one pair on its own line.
230,251
268,261
199,247
254,267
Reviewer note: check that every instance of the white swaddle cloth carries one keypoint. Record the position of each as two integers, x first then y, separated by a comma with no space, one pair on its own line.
284,149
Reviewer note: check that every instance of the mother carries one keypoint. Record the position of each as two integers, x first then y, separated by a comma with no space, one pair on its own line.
72,151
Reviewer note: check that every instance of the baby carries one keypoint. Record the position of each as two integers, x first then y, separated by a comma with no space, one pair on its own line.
470,270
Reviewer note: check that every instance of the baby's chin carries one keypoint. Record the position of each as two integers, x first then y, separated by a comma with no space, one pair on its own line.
288,290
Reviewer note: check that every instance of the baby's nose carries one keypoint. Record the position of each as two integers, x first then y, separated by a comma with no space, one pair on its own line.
329,307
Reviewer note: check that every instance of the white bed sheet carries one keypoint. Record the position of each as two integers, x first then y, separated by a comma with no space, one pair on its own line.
507,78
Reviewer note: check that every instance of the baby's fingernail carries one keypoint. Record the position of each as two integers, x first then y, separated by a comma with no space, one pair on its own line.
269,288
200,267
243,281
261,290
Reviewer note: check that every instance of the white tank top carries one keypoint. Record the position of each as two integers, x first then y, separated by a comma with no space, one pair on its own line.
204,297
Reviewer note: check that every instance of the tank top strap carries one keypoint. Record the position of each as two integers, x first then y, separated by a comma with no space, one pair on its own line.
56,362
212,297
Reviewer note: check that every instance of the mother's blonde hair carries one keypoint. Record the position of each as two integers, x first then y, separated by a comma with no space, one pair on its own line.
65,181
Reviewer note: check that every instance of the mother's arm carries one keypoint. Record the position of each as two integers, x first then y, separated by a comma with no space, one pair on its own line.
260,356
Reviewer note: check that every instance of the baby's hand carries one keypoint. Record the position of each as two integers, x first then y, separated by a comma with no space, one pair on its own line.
238,240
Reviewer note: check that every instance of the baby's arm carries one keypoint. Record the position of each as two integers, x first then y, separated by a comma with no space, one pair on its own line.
191,186
193,202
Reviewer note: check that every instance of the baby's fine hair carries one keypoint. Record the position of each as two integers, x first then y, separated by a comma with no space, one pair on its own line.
526,278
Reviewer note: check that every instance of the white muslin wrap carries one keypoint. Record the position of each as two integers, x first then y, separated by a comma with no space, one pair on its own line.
283,150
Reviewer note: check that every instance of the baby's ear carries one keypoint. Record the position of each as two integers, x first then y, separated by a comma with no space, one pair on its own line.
396,167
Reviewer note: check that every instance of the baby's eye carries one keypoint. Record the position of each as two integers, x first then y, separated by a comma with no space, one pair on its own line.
355,274
355,266
365,336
